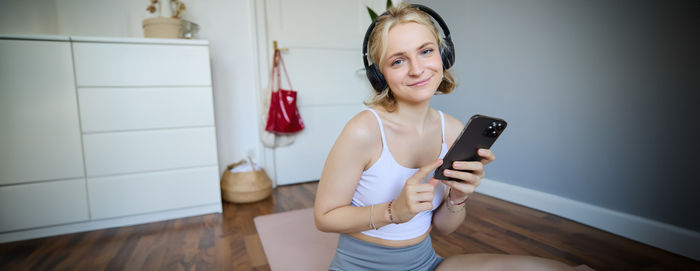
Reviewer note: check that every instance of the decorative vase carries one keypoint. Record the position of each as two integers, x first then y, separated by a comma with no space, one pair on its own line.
161,27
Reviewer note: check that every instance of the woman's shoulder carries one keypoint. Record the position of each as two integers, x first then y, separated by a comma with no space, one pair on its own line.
362,129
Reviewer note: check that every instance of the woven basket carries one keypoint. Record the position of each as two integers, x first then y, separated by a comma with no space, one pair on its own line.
244,187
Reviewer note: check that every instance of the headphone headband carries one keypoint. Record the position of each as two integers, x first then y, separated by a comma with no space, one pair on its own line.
446,51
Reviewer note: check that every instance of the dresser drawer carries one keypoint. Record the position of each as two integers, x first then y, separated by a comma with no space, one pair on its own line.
105,64
42,204
138,151
113,109
155,191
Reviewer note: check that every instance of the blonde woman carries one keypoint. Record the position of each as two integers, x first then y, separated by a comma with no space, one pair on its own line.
376,188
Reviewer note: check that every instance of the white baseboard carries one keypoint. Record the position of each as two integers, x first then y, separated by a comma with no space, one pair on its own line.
658,234
108,223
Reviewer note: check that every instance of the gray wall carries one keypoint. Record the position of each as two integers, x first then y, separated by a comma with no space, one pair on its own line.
602,98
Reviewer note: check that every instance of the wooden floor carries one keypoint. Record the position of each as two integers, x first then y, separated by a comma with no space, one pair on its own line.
229,241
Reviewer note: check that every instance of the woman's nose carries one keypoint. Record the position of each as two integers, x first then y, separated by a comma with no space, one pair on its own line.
416,67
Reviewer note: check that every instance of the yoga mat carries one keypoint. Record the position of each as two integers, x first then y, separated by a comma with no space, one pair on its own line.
292,242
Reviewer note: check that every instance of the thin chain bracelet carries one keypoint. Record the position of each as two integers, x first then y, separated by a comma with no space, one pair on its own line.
371,217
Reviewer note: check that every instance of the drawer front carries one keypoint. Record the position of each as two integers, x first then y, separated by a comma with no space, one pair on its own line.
39,130
130,152
113,109
150,192
104,64
42,204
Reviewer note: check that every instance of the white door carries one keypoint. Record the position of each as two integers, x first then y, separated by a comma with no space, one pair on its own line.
324,61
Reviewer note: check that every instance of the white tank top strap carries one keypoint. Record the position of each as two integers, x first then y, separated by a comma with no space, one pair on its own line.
381,126
442,119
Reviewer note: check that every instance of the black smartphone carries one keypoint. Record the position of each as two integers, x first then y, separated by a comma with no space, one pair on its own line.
479,133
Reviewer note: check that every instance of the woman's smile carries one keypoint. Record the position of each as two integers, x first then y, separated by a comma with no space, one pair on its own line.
421,82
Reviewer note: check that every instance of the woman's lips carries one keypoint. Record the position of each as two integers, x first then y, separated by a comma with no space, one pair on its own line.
420,83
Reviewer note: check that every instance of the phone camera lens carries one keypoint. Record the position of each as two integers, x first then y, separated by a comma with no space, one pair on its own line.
491,131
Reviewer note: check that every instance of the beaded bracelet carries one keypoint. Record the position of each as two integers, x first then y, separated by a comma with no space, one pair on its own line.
390,216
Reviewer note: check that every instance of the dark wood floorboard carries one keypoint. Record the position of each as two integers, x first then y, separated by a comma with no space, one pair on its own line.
229,241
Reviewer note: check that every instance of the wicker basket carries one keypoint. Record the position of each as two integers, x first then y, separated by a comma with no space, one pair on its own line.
244,187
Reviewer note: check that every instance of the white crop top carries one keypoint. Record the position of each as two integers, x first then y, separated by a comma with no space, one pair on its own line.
383,182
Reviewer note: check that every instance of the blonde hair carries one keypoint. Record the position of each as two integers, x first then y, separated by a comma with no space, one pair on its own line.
402,13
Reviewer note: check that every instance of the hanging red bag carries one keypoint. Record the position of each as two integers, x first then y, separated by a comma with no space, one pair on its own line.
283,116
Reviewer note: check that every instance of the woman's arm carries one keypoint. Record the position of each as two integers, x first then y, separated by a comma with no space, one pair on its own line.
352,152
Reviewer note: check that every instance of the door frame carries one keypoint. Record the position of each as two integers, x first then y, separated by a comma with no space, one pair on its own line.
263,52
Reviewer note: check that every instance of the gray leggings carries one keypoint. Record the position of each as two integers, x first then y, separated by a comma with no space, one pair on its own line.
353,254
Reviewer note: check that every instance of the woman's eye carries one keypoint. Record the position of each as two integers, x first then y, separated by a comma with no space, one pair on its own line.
427,51
397,62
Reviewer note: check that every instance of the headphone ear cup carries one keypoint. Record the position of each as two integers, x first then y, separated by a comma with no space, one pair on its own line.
447,52
376,78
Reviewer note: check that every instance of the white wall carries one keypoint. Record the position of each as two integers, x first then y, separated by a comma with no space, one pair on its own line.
28,17
227,24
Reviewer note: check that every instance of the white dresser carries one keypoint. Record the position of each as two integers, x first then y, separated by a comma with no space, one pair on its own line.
104,132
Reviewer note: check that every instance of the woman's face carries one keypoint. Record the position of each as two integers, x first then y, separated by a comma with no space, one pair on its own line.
412,65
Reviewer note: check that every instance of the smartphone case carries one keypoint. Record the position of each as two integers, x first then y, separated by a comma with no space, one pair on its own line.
479,133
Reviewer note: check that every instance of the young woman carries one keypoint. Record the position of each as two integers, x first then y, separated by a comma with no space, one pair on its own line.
376,188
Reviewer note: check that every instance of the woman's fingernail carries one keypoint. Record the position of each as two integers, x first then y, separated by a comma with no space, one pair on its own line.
447,172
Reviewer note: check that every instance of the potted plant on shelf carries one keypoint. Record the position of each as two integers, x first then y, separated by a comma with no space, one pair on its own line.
167,23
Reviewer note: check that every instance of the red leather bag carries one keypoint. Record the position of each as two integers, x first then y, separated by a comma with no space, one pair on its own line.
283,116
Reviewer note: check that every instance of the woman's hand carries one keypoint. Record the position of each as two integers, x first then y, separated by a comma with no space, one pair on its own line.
415,197
470,173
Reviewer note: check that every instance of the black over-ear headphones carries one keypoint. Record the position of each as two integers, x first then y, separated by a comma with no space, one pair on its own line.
447,50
